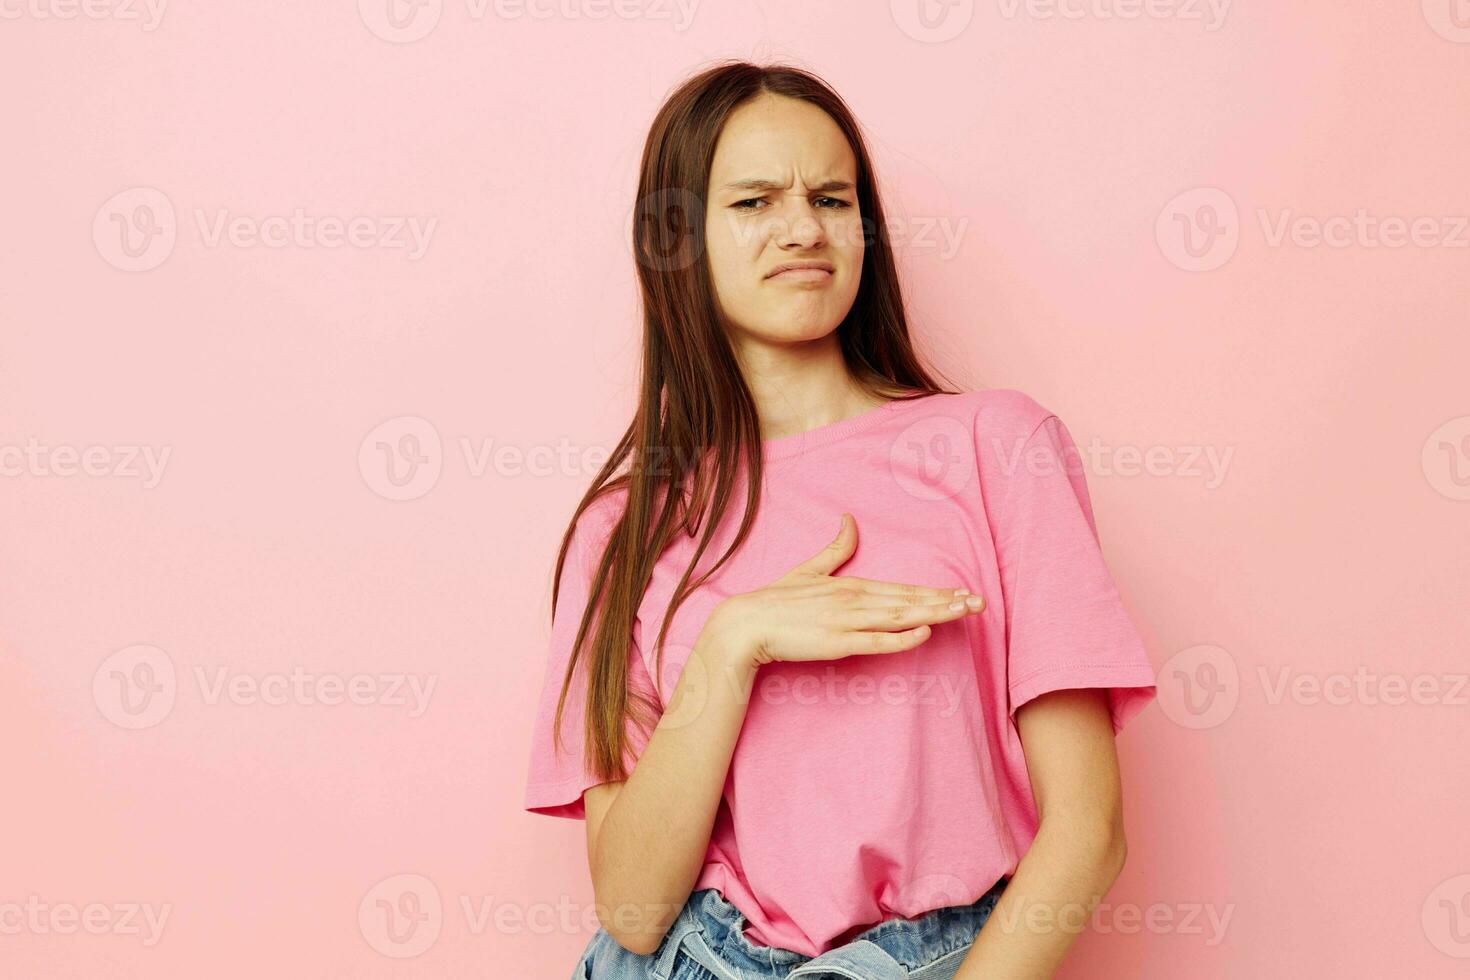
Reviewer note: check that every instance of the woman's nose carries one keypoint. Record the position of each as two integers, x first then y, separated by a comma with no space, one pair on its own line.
797,225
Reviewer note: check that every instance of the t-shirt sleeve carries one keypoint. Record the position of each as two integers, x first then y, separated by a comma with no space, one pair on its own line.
558,775
1065,622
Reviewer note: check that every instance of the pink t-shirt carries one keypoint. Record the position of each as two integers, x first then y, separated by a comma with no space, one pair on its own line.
881,785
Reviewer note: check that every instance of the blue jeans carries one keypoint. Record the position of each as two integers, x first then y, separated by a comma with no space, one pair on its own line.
705,943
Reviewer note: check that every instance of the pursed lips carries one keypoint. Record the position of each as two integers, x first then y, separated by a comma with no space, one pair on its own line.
812,273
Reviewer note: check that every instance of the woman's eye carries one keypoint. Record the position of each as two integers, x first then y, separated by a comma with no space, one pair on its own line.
831,203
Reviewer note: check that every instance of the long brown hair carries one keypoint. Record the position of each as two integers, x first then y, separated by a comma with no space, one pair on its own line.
696,419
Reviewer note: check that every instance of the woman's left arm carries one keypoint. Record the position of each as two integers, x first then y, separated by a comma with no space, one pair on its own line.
1067,738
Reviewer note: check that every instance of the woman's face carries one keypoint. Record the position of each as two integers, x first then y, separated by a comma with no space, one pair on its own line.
783,188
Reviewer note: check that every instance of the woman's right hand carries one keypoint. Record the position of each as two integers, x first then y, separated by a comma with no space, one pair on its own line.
810,614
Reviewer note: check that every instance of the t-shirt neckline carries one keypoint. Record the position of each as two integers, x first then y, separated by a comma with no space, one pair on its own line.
798,442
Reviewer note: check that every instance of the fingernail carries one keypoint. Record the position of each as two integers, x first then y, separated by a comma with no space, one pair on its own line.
961,591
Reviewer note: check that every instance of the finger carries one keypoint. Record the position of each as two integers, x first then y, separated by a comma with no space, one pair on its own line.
830,558
905,617
880,587
882,641
876,600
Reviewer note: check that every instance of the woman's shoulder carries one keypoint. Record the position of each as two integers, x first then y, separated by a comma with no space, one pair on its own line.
1004,412
602,512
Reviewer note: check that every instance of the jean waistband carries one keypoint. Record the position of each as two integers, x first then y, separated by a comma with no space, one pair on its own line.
910,943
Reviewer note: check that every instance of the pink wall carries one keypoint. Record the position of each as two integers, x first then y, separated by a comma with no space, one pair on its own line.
195,495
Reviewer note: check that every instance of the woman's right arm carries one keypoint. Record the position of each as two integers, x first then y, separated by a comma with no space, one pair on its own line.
647,835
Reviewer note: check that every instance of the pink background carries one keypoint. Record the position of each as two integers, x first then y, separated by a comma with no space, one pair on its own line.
1064,156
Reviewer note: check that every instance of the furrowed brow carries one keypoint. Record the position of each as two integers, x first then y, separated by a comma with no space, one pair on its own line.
764,184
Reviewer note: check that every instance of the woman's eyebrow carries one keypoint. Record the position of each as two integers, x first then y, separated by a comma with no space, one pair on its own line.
765,184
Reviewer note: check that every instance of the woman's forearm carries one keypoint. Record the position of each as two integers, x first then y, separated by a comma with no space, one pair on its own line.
651,845
1047,903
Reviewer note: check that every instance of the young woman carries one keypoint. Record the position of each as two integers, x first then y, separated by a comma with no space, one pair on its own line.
836,727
